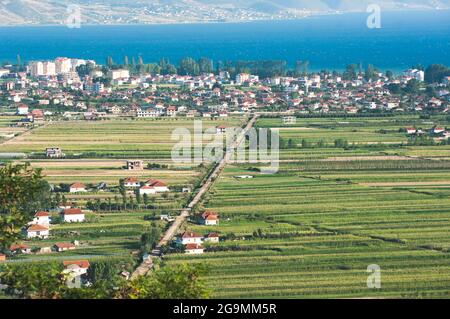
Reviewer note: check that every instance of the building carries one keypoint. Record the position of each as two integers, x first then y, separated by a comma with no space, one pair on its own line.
159,186
41,218
135,165
131,182
241,78
38,231
53,152
189,237
37,116
75,268
60,247
63,65
36,68
221,129
22,109
148,113
147,190
72,215
209,218
171,111
77,188
212,238
419,75
20,249
289,120
119,74
2,257
49,68
193,249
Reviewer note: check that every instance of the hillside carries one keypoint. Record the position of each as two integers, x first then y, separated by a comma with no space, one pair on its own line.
32,12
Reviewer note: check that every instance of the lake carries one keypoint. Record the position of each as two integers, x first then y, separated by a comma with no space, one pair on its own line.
328,42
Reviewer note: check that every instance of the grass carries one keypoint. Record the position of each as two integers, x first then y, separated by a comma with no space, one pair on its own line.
327,215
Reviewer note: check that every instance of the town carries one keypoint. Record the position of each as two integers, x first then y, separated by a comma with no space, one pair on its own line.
101,134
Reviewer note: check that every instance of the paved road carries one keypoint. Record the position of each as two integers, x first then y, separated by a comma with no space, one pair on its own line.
147,264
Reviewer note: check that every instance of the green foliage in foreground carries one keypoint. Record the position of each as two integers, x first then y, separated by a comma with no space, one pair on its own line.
47,281
23,191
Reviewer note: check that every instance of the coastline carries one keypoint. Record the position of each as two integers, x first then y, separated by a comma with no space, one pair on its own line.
206,22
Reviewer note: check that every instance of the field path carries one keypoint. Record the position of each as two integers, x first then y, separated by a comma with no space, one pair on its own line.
147,264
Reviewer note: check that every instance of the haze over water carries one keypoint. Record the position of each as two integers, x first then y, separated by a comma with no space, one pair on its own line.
328,42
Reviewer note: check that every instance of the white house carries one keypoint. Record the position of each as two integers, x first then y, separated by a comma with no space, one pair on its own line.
159,186
193,249
59,247
209,218
190,238
221,129
75,268
147,190
41,218
22,109
77,188
131,182
38,231
212,238
72,215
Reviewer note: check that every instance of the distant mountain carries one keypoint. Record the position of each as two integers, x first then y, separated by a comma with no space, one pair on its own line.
28,12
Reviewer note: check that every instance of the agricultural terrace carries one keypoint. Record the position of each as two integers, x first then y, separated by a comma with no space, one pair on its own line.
312,229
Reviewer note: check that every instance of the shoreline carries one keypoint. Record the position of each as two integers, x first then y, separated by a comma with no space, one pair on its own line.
206,22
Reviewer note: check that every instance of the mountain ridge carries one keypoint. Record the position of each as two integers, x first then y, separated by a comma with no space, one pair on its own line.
40,12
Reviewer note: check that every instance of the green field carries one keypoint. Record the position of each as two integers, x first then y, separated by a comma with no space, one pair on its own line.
312,229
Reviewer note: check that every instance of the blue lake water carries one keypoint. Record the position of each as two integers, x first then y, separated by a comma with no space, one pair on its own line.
328,42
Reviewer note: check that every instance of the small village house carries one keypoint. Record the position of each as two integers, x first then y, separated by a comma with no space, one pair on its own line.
159,186
22,109
147,190
38,231
75,269
60,247
20,249
77,188
53,152
2,257
189,237
212,238
209,218
193,249
131,182
220,129
135,165
41,218
72,215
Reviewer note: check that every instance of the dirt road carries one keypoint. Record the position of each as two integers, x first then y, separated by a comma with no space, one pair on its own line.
147,264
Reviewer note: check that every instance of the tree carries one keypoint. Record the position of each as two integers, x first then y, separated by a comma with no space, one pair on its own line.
33,281
350,72
23,191
125,61
412,87
370,73
436,72
171,282
205,65
188,66
109,62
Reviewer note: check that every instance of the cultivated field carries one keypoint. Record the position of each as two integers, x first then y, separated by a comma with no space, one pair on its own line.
312,229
